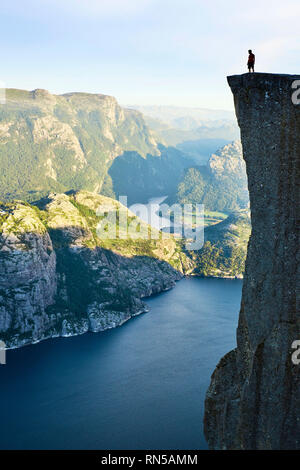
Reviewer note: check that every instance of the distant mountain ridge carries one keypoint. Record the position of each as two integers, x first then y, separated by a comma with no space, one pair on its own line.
195,131
185,118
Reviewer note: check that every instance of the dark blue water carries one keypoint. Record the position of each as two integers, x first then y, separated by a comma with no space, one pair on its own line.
140,386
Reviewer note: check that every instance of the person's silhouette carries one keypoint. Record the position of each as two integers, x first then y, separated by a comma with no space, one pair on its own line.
251,61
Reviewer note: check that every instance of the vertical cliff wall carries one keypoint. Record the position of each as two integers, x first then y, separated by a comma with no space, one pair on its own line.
253,401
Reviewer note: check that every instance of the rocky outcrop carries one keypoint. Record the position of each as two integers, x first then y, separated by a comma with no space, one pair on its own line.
59,278
253,401
27,275
228,159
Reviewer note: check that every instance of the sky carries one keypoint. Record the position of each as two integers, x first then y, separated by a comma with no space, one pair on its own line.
146,52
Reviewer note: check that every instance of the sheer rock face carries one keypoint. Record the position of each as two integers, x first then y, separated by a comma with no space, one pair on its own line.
27,284
253,401
58,278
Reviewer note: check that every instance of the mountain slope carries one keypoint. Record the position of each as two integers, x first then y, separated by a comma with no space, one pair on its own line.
225,247
220,185
59,277
50,142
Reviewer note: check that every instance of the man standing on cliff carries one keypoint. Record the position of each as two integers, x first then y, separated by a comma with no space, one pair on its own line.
251,61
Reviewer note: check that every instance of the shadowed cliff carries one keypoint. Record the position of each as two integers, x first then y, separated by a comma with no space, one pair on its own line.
253,401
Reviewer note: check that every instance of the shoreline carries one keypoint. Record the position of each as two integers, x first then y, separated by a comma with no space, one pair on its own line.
146,309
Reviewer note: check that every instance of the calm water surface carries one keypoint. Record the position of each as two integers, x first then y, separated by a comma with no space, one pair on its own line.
140,386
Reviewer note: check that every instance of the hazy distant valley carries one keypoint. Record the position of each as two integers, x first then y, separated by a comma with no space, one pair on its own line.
197,132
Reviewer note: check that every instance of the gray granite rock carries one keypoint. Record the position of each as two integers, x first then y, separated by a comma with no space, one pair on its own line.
253,401
57,280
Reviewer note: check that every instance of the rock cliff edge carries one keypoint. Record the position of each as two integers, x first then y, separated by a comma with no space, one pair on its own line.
253,401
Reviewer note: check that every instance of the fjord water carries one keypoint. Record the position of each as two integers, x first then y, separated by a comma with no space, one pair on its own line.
140,386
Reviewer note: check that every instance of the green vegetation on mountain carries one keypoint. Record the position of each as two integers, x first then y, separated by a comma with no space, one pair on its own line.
84,141
220,185
57,143
225,247
79,142
76,218
61,275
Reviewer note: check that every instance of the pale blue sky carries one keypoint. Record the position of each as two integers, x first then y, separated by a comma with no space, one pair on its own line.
174,52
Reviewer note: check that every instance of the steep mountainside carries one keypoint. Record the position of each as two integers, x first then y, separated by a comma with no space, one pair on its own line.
50,142
59,277
220,185
225,247
253,401
87,141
